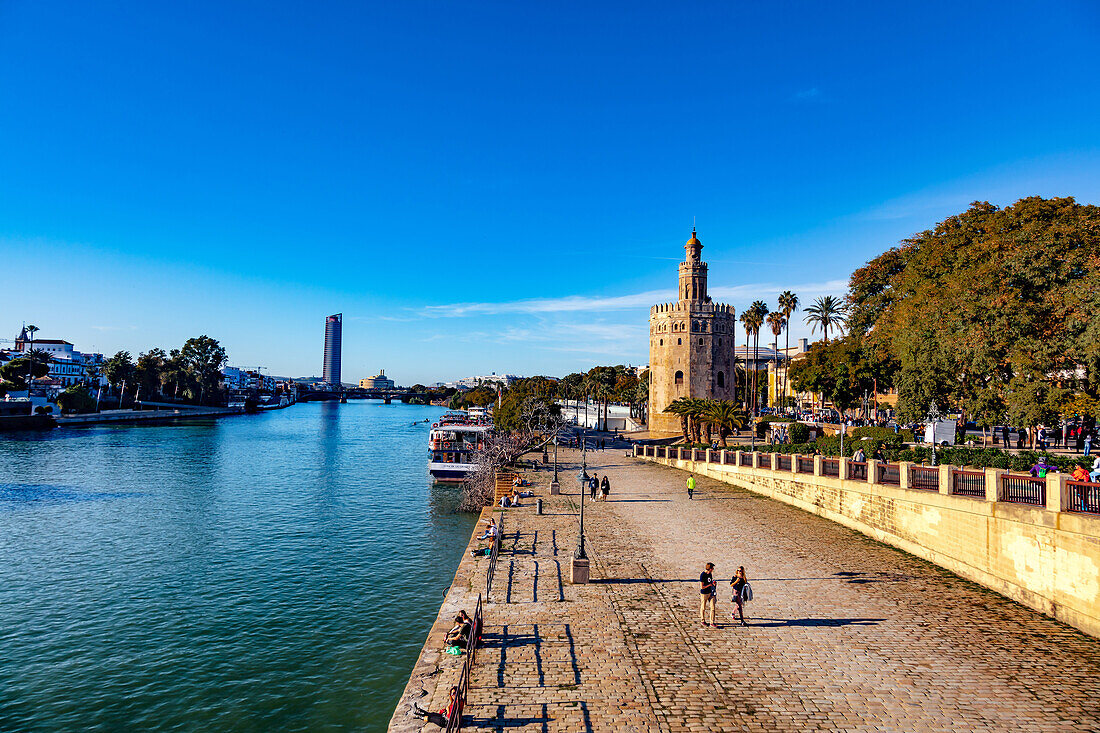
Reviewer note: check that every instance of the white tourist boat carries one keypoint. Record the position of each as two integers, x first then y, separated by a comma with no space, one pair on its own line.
452,443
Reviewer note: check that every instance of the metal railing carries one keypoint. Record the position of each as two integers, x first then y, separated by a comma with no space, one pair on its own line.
925,478
454,714
1023,489
726,458
1084,497
889,474
493,557
697,455
745,459
830,467
784,463
805,464
857,470
967,483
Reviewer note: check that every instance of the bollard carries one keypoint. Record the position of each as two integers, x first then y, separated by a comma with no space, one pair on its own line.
538,505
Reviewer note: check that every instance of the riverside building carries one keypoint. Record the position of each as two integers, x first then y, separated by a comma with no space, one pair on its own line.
691,344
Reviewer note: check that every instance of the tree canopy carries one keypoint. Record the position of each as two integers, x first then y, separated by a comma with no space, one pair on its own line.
992,311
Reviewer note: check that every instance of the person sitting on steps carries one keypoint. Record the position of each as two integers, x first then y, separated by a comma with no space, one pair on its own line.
443,717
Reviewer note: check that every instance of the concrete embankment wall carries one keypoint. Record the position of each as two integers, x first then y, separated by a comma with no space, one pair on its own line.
1042,557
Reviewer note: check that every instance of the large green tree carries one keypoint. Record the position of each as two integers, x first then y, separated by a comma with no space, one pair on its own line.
991,307
842,370
204,357
119,370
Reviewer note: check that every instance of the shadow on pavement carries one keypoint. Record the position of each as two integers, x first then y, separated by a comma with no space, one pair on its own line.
815,622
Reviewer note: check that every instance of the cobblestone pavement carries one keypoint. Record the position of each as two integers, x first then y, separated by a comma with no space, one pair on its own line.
845,633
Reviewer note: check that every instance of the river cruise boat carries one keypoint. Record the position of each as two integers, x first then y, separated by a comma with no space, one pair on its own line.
452,443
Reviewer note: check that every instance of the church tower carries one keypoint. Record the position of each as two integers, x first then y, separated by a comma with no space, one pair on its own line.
690,344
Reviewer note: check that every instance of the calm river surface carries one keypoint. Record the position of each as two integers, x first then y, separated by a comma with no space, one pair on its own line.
259,573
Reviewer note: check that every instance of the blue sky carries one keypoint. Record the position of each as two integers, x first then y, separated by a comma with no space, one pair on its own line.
500,186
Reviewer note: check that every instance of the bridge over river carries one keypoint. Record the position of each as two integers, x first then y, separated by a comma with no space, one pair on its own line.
356,393
845,633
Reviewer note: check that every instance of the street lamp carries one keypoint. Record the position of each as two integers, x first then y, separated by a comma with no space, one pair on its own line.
580,554
933,418
555,457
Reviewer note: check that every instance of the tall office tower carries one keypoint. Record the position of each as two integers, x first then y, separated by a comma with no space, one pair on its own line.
333,334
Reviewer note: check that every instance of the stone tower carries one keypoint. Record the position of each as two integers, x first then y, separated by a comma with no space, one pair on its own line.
690,344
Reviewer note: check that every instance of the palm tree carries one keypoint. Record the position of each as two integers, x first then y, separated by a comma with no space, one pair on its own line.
746,321
726,416
827,312
788,304
776,322
759,311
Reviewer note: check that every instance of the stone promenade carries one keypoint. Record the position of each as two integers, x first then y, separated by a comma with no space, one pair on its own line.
845,633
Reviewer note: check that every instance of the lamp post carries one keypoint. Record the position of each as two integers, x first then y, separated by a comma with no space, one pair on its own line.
578,568
580,554
933,418
554,486
555,458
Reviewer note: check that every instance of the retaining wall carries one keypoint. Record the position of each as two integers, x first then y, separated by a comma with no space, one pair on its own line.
1041,556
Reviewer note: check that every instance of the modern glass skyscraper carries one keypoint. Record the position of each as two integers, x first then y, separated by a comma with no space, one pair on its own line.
333,333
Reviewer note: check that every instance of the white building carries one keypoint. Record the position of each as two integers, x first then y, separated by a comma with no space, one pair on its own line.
379,381
492,379
67,365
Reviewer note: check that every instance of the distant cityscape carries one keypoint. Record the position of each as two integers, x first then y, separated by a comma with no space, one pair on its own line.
69,367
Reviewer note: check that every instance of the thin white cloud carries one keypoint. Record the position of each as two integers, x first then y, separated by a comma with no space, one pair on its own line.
640,301
570,303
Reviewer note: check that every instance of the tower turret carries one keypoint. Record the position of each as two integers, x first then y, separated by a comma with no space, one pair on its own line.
693,272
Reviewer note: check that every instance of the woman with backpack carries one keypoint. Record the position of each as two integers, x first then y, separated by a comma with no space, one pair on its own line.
742,592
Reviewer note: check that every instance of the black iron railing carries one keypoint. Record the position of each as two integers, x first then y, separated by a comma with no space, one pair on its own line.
889,474
744,459
1084,497
493,556
830,467
454,711
968,483
805,464
926,478
1023,489
857,470
784,462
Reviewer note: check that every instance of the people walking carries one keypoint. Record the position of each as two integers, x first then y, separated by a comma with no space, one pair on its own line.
1088,443
593,485
605,488
742,592
691,485
708,595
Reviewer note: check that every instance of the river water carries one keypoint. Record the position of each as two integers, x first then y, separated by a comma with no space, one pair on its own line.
276,572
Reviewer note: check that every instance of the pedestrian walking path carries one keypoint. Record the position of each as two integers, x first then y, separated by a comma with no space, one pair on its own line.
845,633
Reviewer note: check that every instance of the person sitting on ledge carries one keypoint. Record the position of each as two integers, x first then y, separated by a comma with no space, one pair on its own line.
443,717
515,498
1079,473
459,633
490,531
